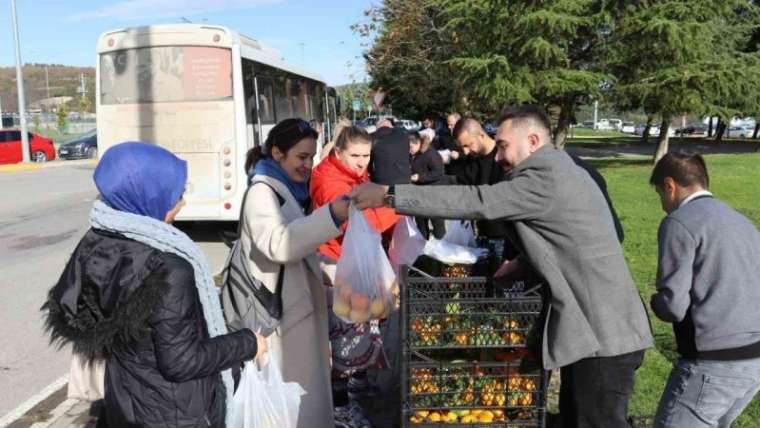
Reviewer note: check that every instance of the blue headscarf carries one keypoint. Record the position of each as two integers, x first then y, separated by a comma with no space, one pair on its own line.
141,179
270,168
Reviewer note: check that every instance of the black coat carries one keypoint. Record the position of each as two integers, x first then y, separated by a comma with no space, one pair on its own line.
481,170
139,308
429,166
390,157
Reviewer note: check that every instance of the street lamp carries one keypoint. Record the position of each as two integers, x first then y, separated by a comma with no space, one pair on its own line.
20,87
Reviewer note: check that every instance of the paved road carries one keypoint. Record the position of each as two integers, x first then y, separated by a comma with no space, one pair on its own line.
43,214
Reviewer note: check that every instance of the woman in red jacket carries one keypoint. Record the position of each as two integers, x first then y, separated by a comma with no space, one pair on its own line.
355,347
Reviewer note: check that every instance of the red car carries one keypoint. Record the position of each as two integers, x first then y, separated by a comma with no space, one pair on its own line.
42,149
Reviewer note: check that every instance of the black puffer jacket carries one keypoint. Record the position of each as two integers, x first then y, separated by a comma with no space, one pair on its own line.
139,308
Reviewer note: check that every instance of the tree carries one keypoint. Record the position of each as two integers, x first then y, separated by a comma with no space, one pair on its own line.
62,115
408,57
674,57
477,55
544,52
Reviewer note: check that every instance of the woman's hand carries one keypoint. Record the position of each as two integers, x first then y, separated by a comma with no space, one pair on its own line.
261,347
340,207
415,178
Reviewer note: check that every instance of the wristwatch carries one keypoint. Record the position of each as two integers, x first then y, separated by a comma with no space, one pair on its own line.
390,197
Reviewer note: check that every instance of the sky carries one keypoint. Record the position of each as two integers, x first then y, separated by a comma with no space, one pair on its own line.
313,34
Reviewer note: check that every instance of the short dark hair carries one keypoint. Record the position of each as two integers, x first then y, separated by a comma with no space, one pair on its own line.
521,114
464,124
686,169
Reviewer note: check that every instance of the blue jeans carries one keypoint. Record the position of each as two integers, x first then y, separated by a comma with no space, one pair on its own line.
702,393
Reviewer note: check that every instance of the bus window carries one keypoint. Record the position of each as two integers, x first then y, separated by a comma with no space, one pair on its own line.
165,74
303,100
266,107
315,99
249,92
282,97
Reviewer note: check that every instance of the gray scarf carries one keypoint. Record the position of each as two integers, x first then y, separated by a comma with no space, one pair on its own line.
167,238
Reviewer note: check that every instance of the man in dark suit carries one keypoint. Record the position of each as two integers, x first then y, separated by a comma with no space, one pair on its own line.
708,286
596,326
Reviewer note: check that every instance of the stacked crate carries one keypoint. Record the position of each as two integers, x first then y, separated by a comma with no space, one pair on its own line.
466,359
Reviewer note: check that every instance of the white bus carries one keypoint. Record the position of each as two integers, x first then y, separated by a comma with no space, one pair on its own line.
207,94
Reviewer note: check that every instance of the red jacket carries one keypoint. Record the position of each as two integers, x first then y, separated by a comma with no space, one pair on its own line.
331,179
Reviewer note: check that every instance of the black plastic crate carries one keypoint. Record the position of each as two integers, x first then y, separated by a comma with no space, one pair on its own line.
472,394
463,313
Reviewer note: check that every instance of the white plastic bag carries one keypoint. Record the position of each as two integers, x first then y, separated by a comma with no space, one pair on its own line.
459,232
364,277
264,400
447,252
86,379
406,245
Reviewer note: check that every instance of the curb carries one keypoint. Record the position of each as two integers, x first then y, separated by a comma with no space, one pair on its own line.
20,167
53,164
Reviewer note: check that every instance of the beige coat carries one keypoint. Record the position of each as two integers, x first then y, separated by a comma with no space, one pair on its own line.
273,235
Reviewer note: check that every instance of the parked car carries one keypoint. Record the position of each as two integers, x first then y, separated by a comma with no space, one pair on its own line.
693,129
409,125
490,129
654,131
587,124
743,131
628,128
41,149
85,146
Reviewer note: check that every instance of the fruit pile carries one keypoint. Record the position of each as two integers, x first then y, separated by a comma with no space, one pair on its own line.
461,330
462,387
358,307
482,416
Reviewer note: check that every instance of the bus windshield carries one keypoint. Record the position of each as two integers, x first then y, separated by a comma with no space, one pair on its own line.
165,74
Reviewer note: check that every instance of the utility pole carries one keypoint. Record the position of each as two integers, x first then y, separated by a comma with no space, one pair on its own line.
20,87
47,82
82,90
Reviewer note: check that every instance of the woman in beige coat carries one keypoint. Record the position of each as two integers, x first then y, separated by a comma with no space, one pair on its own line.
276,232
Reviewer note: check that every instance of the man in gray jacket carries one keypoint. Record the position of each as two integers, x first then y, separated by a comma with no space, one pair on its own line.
596,327
708,286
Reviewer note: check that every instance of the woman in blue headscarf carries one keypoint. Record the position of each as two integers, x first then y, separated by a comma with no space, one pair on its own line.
139,293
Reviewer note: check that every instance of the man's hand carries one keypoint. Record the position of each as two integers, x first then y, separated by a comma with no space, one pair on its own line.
510,269
454,155
369,195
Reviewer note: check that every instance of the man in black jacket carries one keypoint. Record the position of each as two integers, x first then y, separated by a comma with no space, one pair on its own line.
482,168
390,163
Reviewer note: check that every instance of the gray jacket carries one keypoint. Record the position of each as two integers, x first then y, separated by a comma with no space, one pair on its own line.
708,278
568,236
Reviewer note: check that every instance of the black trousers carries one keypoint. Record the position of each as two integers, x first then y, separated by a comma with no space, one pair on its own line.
595,391
439,226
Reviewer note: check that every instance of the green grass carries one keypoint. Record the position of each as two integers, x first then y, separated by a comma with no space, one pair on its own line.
735,180
588,132
595,139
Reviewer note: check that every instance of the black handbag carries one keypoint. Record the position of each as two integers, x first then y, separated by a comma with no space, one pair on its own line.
246,301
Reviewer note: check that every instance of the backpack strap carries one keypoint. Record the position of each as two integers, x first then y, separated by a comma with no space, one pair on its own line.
280,199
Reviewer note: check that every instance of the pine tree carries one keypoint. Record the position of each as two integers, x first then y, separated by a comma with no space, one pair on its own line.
674,57
544,52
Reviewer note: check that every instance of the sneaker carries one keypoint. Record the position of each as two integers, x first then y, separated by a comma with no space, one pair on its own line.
351,416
